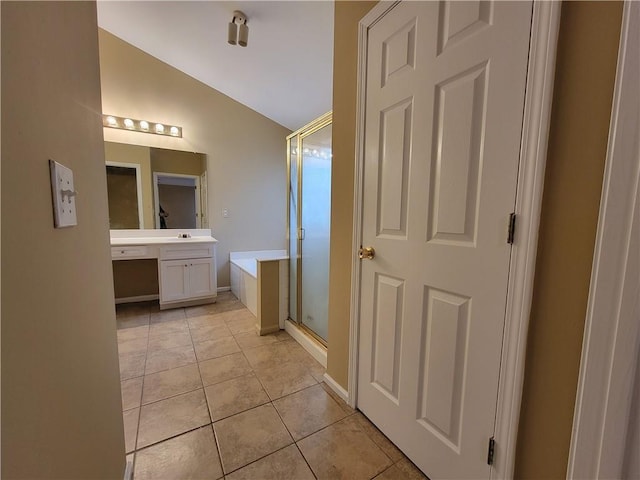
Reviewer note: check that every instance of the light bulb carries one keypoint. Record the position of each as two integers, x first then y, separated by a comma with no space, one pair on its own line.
232,33
243,36
112,121
174,131
128,123
144,125
159,128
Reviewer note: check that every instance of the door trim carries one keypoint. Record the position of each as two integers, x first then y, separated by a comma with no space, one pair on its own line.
612,333
533,152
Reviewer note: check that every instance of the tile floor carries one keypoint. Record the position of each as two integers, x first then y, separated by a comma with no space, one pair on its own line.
204,396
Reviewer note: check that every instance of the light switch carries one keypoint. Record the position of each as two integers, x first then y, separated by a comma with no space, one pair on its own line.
225,212
63,194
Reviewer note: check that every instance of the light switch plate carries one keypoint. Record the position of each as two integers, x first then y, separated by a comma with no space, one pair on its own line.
63,195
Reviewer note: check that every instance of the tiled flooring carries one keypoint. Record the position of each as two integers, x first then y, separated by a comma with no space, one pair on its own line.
205,397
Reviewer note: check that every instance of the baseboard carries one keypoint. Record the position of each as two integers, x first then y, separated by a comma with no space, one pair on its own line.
139,298
189,303
314,349
267,330
335,386
223,289
128,470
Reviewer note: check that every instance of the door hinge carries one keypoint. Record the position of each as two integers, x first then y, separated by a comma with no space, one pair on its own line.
512,228
491,452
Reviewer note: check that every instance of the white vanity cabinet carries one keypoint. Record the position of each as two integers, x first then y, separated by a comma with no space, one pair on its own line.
186,266
186,273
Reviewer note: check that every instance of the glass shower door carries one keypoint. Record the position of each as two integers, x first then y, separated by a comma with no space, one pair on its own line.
315,205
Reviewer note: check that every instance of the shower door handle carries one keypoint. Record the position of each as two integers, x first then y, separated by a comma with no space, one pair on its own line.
301,234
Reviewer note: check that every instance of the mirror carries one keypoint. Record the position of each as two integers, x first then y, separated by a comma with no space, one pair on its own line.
152,187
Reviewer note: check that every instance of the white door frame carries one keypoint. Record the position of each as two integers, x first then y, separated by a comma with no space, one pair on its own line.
612,329
156,196
138,170
533,153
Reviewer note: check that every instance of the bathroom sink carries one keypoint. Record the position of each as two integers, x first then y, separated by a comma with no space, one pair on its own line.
180,240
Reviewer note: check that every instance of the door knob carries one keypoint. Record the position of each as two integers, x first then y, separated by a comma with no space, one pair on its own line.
366,252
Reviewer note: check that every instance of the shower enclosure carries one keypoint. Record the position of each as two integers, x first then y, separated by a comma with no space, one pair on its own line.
309,167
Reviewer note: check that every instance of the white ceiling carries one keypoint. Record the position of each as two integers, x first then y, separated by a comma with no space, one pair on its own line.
285,72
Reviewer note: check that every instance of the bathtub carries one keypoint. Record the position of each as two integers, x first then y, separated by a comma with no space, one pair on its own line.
245,284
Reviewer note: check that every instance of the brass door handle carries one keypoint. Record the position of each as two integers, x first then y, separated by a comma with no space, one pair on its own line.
366,252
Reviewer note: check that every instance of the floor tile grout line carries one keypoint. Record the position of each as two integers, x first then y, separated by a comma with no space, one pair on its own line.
173,395
282,396
135,446
294,393
241,411
306,436
252,371
381,433
270,402
263,457
206,401
191,430
217,442
305,460
295,442
361,431
327,426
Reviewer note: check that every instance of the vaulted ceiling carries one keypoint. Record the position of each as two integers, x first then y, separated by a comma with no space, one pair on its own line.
285,72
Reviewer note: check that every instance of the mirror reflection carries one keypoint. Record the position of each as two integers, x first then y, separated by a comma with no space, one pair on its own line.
152,187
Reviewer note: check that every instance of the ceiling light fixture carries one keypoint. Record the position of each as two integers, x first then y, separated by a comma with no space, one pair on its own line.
239,35
126,123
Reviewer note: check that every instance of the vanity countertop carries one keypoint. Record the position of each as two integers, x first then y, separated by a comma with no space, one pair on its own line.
120,238
117,242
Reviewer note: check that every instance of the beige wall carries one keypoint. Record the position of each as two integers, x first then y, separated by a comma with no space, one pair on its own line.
345,62
134,278
582,105
61,407
245,151
173,161
123,153
585,74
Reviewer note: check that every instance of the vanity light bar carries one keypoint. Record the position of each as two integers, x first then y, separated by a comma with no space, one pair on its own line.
124,123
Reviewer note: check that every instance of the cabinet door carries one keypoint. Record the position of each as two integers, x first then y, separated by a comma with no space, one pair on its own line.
201,278
174,280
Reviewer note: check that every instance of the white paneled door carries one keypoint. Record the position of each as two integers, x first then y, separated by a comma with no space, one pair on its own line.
445,87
